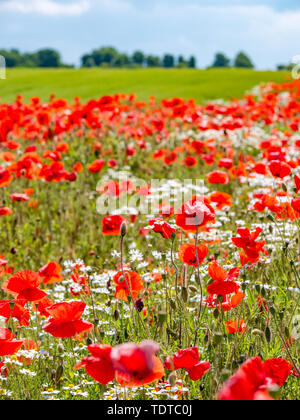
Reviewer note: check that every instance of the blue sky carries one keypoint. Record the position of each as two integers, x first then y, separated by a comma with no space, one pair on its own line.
269,30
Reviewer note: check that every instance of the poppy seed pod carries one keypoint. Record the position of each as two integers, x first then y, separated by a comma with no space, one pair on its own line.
124,229
172,379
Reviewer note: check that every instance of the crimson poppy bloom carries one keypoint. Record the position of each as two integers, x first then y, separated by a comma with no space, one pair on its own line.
254,378
50,273
194,214
99,365
186,358
111,225
24,285
218,177
278,370
198,370
162,227
96,166
8,347
233,327
221,199
132,284
65,321
297,182
280,169
296,204
223,284
19,197
137,365
15,309
187,254
5,177
249,245
5,211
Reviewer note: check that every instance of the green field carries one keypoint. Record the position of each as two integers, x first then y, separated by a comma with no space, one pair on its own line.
92,83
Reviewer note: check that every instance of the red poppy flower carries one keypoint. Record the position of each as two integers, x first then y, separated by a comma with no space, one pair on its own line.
280,169
19,197
50,273
198,370
186,359
221,199
8,347
42,306
96,166
297,182
296,204
24,285
195,213
5,211
187,254
111,225
99,366
189,162
218,177
278,370
249,245
137,365
5,177
133,281
233,327
223,284
15,309
65,321
162,227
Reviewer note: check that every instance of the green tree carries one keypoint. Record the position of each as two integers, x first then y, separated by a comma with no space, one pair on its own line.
105,55
13,57
138,58
121,60
192,63
153,61
168,61
243,61
48,58
182,63
221,60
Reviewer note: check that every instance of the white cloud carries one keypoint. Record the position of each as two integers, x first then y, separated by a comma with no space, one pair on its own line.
57,8
45,7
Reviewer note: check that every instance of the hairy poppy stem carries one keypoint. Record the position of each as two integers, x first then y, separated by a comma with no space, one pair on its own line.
129,286
200,284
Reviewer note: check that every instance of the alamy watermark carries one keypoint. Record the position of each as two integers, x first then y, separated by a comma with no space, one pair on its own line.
296,67
2,68
125,195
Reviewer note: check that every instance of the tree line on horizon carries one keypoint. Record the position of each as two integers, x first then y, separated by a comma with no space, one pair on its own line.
110,57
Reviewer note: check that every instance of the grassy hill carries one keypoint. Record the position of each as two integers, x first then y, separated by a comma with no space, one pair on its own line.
93,83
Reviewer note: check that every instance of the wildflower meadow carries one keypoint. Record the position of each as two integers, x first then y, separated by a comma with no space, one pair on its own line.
150,249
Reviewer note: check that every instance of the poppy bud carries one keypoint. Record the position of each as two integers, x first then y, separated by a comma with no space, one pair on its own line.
257,332
59,373
193,289
11,305
185,294
89,341
268,335
273,310
216,313
172,379
173,236
116,315
139,304
124,229
60,348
